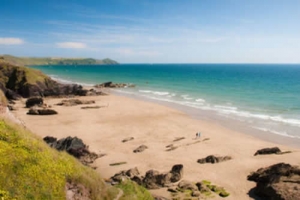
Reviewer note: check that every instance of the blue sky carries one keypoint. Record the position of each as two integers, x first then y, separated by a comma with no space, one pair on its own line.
154,31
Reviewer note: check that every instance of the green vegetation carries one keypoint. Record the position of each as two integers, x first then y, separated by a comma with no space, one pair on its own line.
133,191
3,100
29,169
218,190
53,61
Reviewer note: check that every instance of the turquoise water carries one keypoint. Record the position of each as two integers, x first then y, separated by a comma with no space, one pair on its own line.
266,97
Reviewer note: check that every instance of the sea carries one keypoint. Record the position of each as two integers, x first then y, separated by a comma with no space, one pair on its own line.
262,98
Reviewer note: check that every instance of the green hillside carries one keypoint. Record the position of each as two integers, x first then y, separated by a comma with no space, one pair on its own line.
30,169
54,61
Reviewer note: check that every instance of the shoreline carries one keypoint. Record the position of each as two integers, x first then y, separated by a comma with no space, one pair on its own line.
157,126
225,121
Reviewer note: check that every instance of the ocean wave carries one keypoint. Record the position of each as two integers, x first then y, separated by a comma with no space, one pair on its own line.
200,100
154,92
225,107
186,97
64,81
226,110
282,133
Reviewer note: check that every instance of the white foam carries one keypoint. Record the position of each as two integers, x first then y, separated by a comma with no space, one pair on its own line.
186,97
145,91
154,92
56,78
225,107
161,93
200,100
282,133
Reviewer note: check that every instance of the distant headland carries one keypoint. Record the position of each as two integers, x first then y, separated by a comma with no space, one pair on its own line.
55,61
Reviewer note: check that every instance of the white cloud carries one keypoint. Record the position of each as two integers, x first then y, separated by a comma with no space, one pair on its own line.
71,45
136,52
11,41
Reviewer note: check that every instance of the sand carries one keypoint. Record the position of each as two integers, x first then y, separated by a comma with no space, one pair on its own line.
156,126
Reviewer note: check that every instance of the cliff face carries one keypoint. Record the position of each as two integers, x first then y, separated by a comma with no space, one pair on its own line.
17,81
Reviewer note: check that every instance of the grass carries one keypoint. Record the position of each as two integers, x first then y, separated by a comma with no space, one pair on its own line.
29,169
133,191
3,100
218,190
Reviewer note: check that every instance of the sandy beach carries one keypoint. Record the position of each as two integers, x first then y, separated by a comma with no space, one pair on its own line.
157,126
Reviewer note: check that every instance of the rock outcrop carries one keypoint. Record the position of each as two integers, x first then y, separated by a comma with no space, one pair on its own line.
153,179
273,150
17,81
277,182
140,149
213,159
74,102
34,101
128,139
113,85
43,111
73,146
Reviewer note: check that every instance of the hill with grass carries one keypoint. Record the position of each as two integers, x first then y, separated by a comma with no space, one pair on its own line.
54,61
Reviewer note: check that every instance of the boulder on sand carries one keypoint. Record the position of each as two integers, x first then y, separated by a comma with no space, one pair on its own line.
272,150
34,101
140,149
213,159
73,146
35,111
277,182
74,102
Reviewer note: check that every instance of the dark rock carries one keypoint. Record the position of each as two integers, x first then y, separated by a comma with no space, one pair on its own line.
35,111
177,173
277,182
74,102
202,187
187,185
140,149
34,101
49,139
172,189
196,193
47,112
11,95
213,159
153,179
18,81
72,145
128,139
113,85
11,108
150,180
132,172
137,179
273,150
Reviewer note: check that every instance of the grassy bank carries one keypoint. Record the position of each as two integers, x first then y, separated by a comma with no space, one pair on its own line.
29,169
